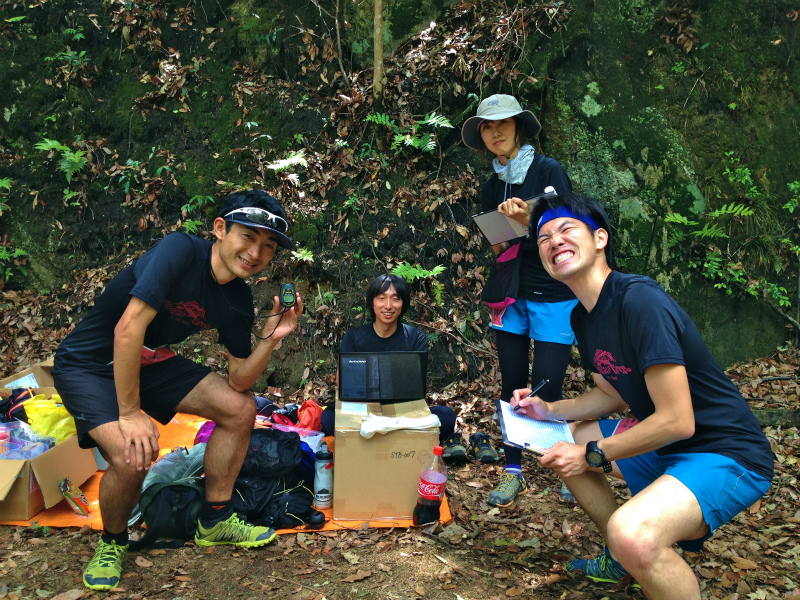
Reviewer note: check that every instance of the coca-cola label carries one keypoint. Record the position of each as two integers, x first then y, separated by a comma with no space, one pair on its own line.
431,490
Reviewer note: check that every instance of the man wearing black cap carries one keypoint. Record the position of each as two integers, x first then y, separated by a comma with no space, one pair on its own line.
117,365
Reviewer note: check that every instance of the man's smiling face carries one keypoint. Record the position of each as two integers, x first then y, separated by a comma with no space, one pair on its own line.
567,247
243,251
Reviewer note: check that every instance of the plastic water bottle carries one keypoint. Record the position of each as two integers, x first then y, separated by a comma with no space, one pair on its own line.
323,478
432,483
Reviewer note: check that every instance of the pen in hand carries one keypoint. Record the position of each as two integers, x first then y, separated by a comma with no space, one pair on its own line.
541,384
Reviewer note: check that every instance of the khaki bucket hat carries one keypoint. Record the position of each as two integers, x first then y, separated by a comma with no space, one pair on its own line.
494,108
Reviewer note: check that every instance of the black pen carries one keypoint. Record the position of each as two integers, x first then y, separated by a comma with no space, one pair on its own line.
542,383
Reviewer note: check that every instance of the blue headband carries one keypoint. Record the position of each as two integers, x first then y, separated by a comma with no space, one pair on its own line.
563,211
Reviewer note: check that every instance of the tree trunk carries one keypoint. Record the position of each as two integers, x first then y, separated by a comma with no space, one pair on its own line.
377,80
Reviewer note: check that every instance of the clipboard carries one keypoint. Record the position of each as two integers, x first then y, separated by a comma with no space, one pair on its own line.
498,228
529,434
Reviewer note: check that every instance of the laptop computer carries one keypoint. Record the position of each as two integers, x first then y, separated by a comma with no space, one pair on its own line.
382,376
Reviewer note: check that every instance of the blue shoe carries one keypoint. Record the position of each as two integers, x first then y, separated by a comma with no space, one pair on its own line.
603,568
566,496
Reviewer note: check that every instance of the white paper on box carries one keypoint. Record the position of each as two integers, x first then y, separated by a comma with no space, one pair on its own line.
355,408
28,381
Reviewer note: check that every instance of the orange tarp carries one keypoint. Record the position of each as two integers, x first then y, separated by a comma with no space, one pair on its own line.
181,432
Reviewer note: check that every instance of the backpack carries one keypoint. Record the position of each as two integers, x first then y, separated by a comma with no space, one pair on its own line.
170,510
172,498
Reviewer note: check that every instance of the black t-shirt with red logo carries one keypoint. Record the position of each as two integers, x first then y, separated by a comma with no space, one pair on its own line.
174,277
636,324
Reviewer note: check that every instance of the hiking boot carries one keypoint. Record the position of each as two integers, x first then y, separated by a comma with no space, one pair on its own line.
234,531
507,490
566,496
105,569
481,446
603,568
453,450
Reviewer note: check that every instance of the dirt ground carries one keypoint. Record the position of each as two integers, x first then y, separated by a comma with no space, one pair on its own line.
482,553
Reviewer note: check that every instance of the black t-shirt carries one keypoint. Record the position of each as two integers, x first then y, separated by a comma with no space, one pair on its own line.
174,277
534,282
636,324
405,339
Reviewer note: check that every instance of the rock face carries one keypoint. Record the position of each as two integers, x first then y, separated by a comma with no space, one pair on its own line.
652,107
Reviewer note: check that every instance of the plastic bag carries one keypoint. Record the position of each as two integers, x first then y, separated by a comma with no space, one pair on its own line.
16,436
48,417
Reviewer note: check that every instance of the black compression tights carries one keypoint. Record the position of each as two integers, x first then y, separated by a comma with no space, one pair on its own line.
549,362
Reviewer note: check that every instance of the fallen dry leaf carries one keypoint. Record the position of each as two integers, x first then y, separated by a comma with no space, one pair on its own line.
357,576
143,562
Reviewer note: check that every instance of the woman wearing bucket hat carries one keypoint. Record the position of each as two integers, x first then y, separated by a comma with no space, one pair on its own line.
540,309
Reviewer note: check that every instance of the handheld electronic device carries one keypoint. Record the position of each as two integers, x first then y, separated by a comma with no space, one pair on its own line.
287,295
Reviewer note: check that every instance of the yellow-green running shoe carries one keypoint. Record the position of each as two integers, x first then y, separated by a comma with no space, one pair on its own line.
105,569
234,531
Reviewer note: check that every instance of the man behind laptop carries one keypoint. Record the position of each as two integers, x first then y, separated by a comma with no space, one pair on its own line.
117,363
695,458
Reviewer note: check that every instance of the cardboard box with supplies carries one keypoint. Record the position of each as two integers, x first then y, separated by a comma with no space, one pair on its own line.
377,478
28,486
37,376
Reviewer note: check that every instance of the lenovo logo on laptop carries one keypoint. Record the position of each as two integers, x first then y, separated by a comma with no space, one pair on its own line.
382,376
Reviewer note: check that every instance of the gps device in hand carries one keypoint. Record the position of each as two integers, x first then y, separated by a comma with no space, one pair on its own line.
287,296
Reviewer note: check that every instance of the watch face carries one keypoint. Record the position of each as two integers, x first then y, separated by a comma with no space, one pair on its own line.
595,459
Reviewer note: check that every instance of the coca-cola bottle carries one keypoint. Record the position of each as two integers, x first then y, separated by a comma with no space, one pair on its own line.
432,482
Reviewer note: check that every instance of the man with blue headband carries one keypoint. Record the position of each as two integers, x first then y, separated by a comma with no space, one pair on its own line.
693,457
116,370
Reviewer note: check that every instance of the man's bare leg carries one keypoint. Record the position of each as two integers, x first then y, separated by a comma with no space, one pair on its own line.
234,414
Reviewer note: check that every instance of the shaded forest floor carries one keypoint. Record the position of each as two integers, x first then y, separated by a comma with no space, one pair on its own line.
482,553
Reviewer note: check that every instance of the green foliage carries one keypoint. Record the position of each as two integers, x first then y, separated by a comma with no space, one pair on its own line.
71,162
75,34
411,134
5,187
196,202
731,267
293,159
413,272
192,226
12,261
303,255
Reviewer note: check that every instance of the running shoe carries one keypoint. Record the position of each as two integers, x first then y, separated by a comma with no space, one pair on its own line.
481,446
105,569
603,568
507,490
453,450
234,531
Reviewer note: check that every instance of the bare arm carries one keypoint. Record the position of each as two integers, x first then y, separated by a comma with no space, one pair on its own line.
243,372
137,429
673,419
594,404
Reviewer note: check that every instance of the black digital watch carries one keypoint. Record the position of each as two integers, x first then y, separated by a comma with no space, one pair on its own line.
596,458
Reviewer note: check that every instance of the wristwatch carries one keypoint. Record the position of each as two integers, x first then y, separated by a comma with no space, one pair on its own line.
596,458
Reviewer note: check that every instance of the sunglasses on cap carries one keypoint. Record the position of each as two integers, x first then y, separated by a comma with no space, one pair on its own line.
260,216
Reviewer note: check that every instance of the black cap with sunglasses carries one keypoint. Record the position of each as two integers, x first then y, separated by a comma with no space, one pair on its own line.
256,208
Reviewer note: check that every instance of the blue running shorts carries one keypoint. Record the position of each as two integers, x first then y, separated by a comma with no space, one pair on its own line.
543,321
722,487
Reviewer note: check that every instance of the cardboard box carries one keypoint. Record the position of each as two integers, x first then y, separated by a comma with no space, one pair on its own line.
29,486
377,478
37,376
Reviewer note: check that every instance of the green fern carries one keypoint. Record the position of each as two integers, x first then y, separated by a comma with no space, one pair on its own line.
674,217
711,230
47,145
72,162
382,119
293,159
413,272
736,210
435,120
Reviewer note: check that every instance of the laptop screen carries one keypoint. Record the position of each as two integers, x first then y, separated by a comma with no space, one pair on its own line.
382,376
